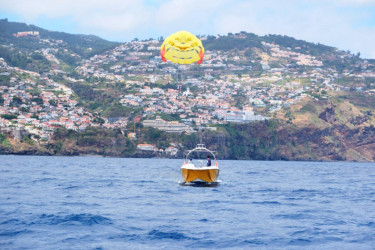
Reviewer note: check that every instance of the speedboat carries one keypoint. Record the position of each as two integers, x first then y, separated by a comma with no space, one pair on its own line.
198,170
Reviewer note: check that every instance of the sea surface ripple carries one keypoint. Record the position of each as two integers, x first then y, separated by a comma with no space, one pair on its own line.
114,203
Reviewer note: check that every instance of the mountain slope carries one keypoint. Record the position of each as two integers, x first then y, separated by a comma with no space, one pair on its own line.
313,101
83,45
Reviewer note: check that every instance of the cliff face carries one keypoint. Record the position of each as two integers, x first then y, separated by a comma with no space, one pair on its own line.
332,130
324,130
268,140
68,142
318,131
328,115
260,141
335,143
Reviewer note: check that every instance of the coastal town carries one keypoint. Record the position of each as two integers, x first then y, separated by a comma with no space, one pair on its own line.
228,87
187,124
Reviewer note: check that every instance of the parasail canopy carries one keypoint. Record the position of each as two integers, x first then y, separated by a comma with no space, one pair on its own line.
182,47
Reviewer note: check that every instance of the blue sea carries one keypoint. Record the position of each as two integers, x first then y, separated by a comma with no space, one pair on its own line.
117,203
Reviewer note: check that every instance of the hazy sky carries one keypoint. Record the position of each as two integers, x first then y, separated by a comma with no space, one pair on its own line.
345,24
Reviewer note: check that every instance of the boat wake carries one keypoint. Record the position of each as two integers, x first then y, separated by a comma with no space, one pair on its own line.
200,183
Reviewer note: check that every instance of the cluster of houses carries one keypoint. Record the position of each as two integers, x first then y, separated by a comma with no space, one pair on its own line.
171,150
26,33
168,126
220,90
300,59
216,91
38,105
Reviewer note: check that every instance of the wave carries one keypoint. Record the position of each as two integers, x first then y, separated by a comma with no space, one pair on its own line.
157,235
299,242
302,190
266,203
45,179
293,216
370,224
10,222
74,219
10,233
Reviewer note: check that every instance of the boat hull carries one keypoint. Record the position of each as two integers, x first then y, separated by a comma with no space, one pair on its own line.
207,175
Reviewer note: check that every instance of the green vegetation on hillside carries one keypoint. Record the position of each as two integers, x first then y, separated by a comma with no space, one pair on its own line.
230,42
83,45
19,51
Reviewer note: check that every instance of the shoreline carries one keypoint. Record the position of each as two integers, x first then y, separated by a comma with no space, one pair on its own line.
182,158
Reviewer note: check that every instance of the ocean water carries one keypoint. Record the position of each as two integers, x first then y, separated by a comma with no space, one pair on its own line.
114,203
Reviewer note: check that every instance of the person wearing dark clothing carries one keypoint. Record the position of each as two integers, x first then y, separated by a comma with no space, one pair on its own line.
208,161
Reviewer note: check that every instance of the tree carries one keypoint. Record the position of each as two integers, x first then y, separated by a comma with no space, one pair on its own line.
16,101
38,100
8,116
99,120
53,103
4,78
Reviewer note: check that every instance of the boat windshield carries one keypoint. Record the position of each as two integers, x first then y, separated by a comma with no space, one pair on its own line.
198,156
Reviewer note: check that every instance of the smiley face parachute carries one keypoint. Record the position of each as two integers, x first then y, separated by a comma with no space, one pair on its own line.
182,47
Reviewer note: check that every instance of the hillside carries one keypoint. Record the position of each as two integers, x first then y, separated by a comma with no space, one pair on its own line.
253,97
24,50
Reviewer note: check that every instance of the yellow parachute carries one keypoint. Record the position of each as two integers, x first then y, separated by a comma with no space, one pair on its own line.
182,47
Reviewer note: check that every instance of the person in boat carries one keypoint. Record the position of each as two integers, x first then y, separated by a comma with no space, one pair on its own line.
208,161
191,161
